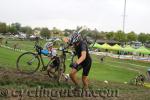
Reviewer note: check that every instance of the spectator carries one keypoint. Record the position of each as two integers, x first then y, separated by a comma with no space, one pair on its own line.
6,42
15,46
102,59
1,41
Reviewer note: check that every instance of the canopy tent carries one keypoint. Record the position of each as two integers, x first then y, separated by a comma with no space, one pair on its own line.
142,50
128,48
106,46
116,47
96,45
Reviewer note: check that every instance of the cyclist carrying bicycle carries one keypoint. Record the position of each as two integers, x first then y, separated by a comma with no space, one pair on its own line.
84,60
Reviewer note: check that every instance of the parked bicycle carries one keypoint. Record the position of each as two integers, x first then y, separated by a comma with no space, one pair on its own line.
140,79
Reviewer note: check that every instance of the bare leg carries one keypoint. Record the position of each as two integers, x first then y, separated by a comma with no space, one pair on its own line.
148,75
73,76
85,82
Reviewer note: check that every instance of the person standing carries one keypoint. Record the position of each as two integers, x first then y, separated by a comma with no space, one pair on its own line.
84,60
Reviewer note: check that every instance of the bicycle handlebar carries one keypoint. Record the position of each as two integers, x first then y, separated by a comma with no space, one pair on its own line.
38,48
64,50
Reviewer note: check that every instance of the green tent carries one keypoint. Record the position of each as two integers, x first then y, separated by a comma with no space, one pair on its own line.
96,45
116,47
106,46
128,48
142,50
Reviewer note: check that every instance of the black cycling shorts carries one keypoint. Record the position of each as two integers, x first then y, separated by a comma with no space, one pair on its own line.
56,62
86,65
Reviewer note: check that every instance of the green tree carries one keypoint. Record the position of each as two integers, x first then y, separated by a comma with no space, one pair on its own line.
148,37
17,26
45,32
3,27
94,33
131,36
27,30
67,32
142,37
37,28
120,36
110,35
102,35
56,31
12,29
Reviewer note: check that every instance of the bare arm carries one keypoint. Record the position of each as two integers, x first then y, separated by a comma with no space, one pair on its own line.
82,58
66,39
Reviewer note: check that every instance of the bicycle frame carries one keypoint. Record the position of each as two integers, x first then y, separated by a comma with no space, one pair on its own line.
62,55
64,51
38,50
42,61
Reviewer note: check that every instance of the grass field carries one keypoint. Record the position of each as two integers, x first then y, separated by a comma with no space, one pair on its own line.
115,71
25,45
111,69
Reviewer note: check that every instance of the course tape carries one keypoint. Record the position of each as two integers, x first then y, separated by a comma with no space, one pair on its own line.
10,48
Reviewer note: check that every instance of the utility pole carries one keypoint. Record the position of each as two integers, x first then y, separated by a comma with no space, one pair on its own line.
124,16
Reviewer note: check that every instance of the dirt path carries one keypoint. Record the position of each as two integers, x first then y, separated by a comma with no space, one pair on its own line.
11,79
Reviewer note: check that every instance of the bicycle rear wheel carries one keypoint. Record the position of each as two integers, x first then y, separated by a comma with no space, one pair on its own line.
28,63
90,37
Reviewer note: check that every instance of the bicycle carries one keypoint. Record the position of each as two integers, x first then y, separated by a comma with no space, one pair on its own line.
138,80
36,59
64,50
29,62
90,37
62,57
141,79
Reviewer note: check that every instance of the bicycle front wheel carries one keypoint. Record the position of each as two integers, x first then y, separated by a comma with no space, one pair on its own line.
28,63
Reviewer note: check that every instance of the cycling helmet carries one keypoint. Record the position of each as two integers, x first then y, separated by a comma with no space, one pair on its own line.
49,44
75,37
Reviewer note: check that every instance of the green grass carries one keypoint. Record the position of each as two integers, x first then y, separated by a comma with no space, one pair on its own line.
111,69
115,70
25,45
8,58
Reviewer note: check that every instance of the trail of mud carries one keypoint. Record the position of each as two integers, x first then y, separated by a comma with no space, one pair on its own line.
9,77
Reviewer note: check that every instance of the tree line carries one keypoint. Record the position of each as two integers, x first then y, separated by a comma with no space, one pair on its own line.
15,28
119,35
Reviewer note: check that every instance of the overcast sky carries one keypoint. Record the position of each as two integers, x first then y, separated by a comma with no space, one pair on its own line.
105,15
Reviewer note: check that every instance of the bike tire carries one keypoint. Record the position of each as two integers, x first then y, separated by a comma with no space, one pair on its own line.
85,38
22,58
